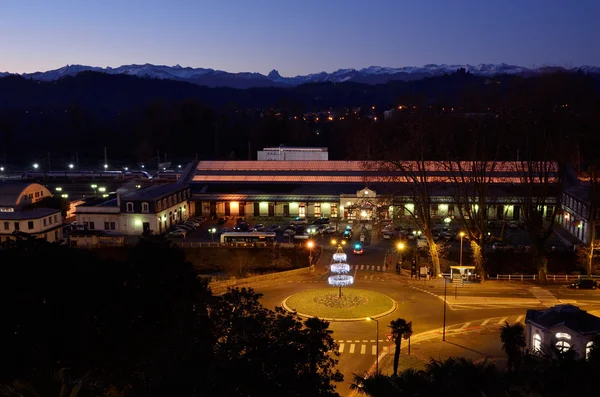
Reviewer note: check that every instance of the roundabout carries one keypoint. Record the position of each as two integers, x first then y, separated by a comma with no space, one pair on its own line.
326,304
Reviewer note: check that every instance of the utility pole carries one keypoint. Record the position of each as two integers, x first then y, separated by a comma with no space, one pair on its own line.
105,158
444,331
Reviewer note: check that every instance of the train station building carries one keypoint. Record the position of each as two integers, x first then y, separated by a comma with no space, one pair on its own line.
345,190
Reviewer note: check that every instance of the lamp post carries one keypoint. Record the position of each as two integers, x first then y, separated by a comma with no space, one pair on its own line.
310,246
71,166
444,331
35,166
461,234
212,232
376,343
400,247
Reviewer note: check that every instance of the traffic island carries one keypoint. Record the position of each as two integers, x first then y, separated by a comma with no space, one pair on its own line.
353,305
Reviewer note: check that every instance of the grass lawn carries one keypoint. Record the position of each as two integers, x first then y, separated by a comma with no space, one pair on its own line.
324,302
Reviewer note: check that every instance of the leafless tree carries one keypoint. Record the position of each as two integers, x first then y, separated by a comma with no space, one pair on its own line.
471,167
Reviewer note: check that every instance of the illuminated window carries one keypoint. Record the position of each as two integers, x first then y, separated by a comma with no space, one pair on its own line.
537,343
563,346
334,210
145,207
588,349
318,209
562,335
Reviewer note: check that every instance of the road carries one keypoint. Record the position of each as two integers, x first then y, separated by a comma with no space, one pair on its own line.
418,301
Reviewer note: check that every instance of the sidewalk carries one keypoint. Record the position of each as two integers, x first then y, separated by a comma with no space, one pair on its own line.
477,345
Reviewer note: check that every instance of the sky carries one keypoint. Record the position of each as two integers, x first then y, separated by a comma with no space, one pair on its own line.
296,37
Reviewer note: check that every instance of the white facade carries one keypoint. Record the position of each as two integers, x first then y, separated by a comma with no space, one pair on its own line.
548,329
43,223
293,153
111,219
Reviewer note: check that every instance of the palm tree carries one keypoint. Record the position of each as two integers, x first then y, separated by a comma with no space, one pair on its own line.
513,343
374,385
400,329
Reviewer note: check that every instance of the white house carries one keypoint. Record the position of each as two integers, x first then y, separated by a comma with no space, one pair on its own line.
41,223
564,327
155,208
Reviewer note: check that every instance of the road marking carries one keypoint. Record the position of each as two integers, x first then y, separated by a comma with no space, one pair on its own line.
501,322
485,322
365,277
373,350
348,341
372,341
371,278
380,340
365,341
363,349
351,348
519,319
357,341
341,349
465,325
362,267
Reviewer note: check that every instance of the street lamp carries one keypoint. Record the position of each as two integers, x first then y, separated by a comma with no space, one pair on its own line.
445,304
376,343
310,246
1,169
461,234
212,232
71,166
400,248
35,166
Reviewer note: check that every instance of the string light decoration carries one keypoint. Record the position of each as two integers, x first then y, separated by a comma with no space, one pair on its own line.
339,269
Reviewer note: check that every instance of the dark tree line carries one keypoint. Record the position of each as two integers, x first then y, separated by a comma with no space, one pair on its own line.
148,326
136,118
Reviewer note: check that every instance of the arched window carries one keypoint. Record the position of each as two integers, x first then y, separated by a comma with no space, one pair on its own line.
537,343
145,207
563,346
588,349
129,207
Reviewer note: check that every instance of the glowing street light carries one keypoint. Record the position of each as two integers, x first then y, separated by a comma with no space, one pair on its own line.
212,232
105,166
35,165
310,245
64,195
59,189
142,165
376,343
71,166
1,169
126,169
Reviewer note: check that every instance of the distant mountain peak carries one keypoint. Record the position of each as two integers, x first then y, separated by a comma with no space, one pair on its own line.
274,74
369,75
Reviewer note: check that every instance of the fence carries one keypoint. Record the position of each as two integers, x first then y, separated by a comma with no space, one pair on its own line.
549,277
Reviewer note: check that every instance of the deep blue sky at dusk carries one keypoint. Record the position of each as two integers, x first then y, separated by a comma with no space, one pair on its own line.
296,37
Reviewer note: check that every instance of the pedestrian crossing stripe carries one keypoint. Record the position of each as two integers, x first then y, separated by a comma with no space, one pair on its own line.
356,347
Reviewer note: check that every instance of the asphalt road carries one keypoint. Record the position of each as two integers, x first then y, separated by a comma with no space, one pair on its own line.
416,301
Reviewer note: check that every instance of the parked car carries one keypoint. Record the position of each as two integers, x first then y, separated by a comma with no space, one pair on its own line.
586,283
177,233
259,227
191,224
194,221
299,221
347,234
197,219
501,247
321,221
313,230
184,226
301,236
274,228
289,233
226,230
330,230
222,221
241,227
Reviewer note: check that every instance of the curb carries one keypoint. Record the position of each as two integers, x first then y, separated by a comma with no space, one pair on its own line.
341,320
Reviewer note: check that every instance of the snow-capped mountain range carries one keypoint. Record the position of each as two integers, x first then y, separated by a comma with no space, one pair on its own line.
370,75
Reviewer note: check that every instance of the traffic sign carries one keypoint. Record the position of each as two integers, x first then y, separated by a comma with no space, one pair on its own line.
389,337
